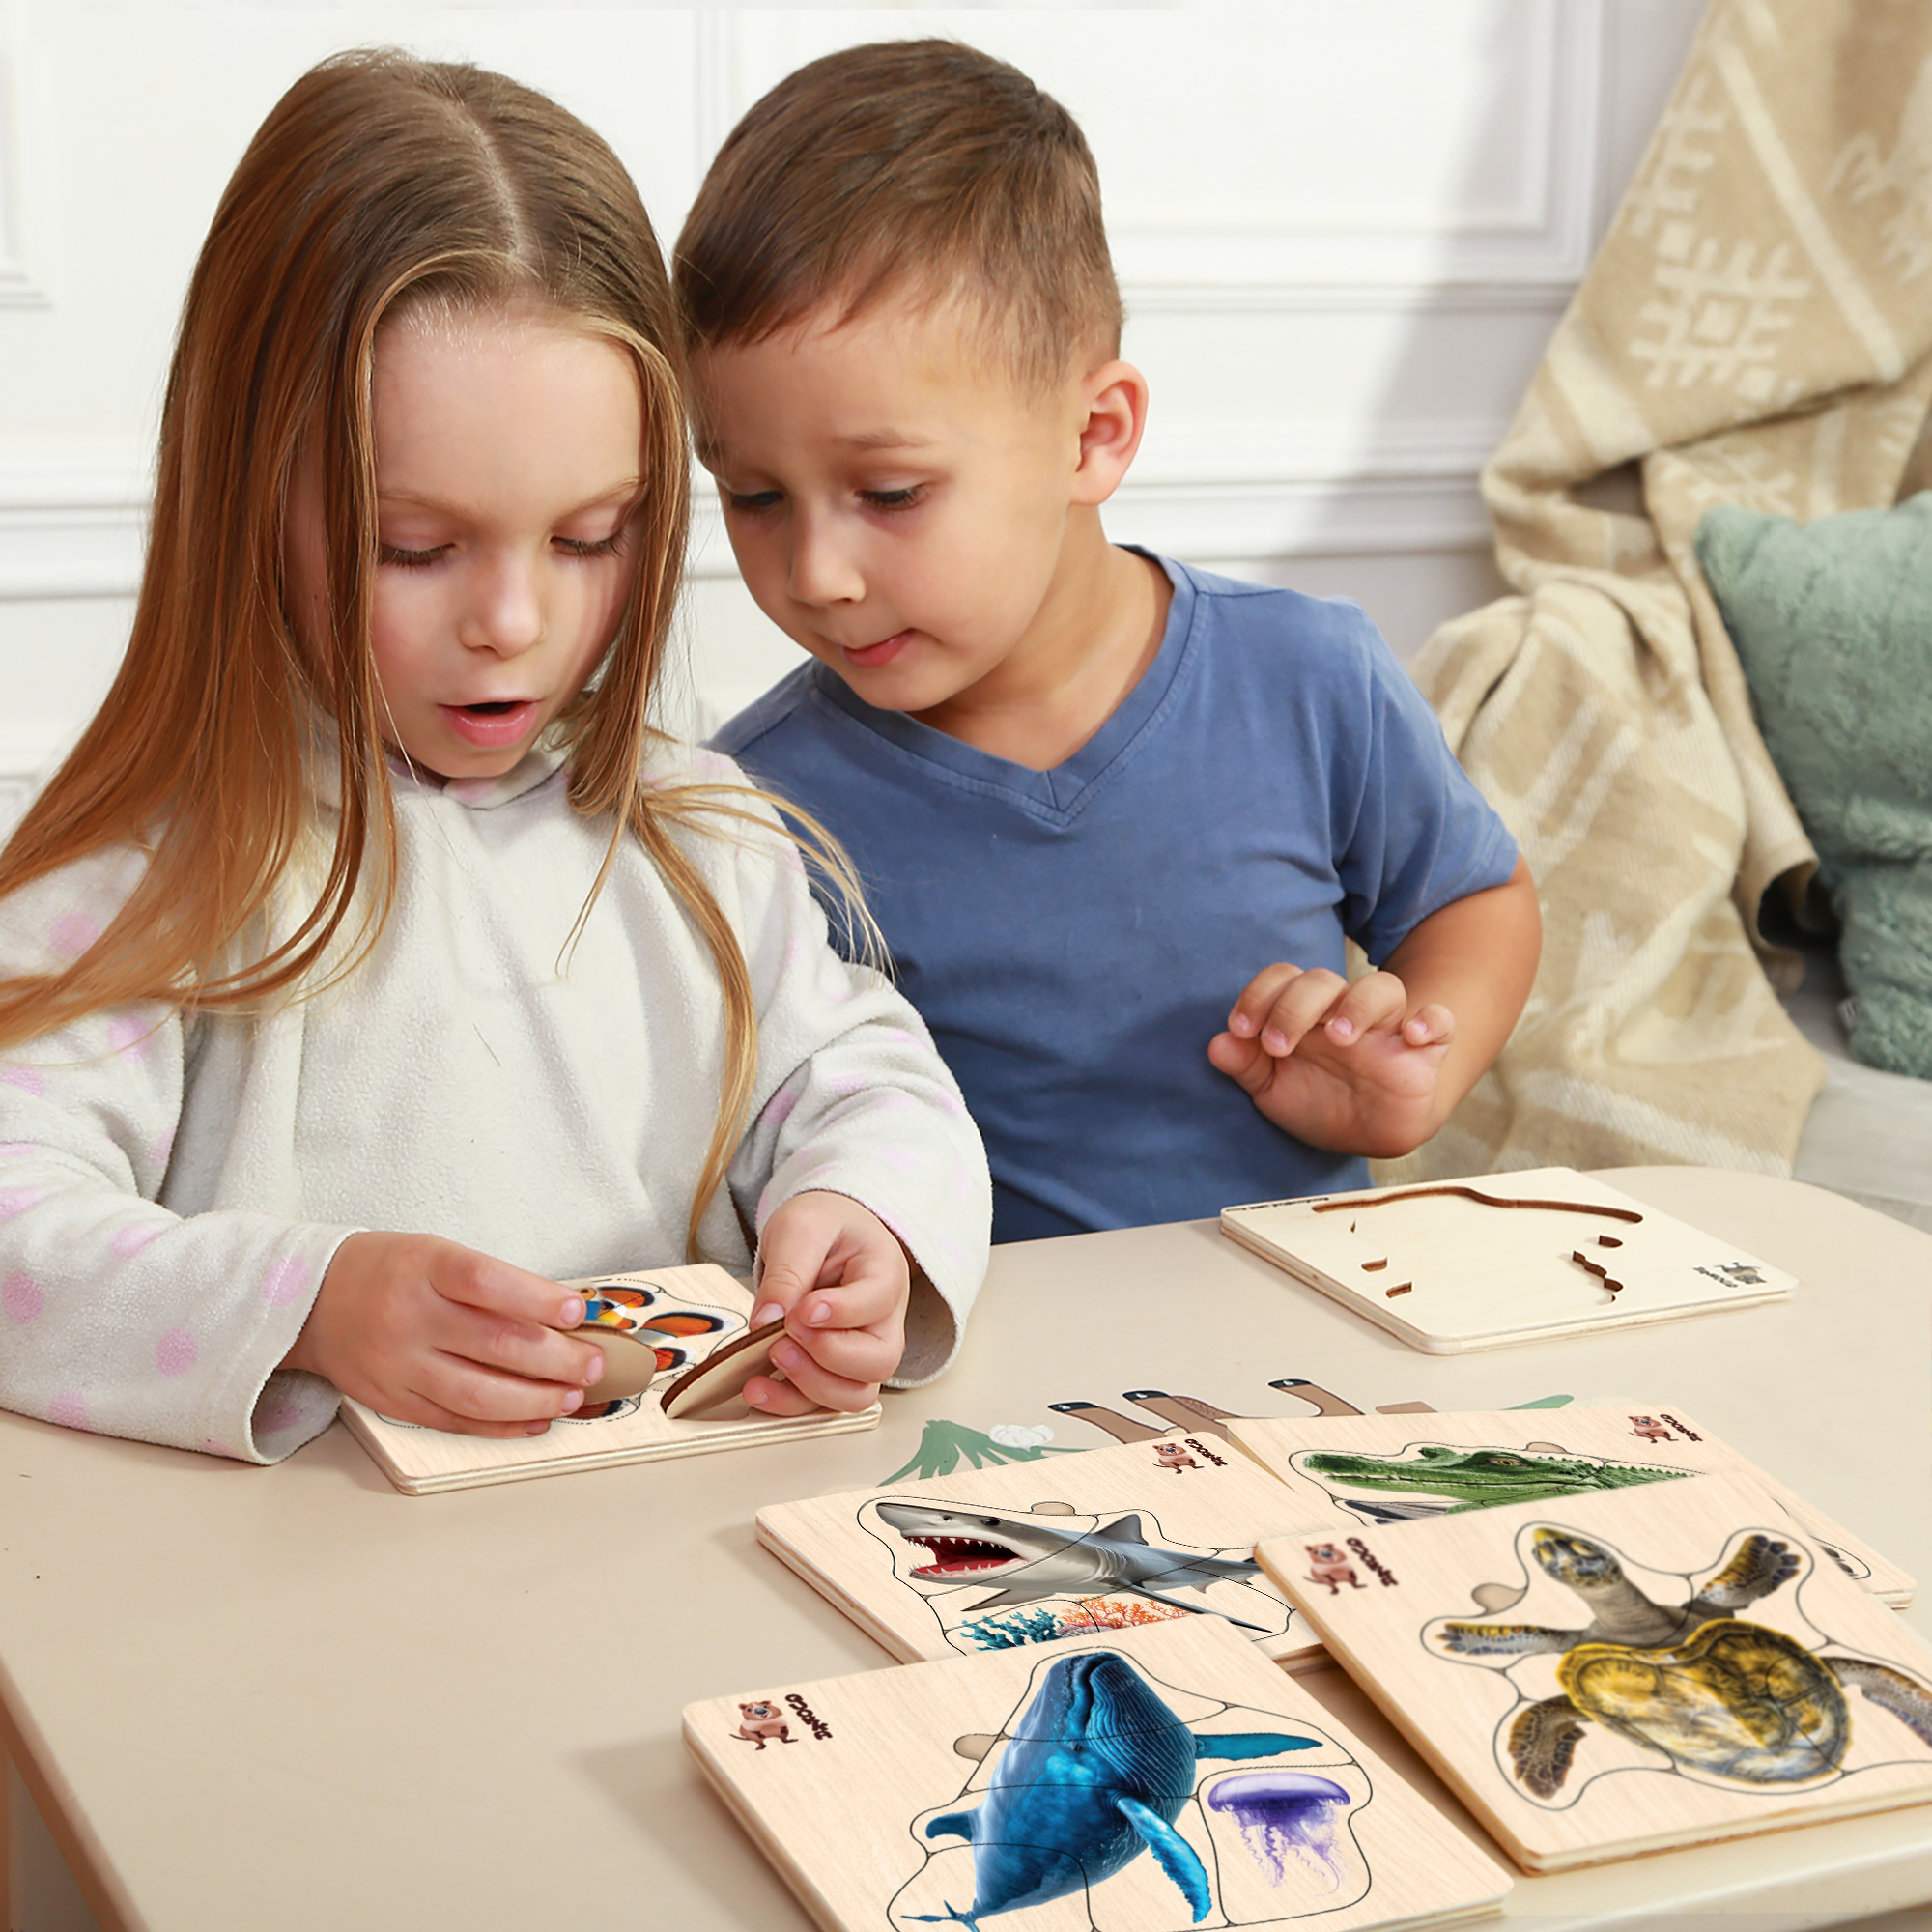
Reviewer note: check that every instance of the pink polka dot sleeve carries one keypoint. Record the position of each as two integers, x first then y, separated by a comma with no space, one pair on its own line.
117,1315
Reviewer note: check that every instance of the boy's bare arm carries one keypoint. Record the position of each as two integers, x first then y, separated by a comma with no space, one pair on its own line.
1376,1066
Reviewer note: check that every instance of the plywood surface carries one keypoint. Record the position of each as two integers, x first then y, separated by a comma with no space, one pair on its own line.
1142,1780
1032,1553
1386,1470
697,1309
1498,1258
1502,1643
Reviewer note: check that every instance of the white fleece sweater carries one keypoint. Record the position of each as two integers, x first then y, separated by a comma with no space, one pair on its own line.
172,1189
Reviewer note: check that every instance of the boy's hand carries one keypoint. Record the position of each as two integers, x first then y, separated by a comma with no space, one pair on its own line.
1352,1068
839,1277
426,1332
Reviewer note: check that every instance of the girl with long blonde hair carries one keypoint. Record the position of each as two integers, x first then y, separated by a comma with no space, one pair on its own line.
372,963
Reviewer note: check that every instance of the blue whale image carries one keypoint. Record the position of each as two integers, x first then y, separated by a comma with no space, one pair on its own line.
1095,1772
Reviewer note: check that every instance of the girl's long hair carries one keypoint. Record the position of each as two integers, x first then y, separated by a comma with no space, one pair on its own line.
376,180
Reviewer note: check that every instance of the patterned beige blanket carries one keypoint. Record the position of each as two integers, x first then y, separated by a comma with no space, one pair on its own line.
1757,329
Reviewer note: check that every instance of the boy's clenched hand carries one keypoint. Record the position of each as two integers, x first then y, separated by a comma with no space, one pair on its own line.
1377,1067
1352,1068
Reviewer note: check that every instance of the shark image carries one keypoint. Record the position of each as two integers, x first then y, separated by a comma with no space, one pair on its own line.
1028,1558
1095,1772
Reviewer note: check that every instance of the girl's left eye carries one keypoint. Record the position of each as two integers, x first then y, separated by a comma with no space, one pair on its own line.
893,500
611,546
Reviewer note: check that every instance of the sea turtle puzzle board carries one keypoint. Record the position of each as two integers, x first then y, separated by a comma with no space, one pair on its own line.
1462,1264
683,1314
1389,1470
1031,1553
1146,1780
1616,1673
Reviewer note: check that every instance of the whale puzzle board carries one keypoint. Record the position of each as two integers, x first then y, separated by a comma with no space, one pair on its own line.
1392,1470
1624,1672
1477,1263
693,1310
1240,1796
1031,1553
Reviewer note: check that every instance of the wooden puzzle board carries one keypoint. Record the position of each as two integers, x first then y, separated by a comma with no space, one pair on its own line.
1400,1604
1063,1544
1477,1263
1437,1465
837,1780
421,1462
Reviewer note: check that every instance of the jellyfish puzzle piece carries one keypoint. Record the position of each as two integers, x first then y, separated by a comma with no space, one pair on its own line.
1285,1814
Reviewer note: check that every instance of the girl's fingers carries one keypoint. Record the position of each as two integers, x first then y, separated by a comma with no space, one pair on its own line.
463,1387
819,1386
427,1414
506,1318
853,1354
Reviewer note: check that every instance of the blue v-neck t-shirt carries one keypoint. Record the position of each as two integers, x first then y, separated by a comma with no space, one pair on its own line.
1075,937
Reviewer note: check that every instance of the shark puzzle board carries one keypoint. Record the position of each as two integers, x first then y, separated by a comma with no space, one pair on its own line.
1457,1266
1031,1553
1146,1780
683,1314
1384,1470
1617,1673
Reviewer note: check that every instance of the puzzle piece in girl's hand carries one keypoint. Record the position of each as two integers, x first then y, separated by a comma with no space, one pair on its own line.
630,1360
723,1373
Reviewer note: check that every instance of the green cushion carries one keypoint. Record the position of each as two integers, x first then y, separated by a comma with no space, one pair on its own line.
1833,622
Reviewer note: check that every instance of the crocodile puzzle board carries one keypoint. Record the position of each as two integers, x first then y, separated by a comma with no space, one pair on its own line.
1393,1469
1241,1801
697,1308
1031,1553
1462,1264
1610,1674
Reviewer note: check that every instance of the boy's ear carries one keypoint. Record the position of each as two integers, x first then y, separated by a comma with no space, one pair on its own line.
1114,399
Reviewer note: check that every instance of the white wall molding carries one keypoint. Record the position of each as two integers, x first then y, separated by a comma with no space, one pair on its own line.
1508,221
21,285
73,521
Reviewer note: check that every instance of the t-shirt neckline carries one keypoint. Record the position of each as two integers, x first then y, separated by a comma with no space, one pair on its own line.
1060,785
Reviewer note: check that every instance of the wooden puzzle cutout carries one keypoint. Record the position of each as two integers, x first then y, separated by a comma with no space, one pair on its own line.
1623,1672
1150,1781
1385,1471
1508,1258
1011,1556
652,1328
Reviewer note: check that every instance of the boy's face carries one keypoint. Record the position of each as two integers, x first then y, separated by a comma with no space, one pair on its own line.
898,505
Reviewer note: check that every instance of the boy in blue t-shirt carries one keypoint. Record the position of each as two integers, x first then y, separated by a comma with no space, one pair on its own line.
1115,816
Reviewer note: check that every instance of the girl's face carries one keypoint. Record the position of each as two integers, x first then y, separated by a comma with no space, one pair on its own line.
508,485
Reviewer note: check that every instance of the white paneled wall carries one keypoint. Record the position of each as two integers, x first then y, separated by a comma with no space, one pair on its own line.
1344,232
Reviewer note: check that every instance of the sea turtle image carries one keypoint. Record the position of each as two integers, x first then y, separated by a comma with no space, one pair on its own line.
1712,1693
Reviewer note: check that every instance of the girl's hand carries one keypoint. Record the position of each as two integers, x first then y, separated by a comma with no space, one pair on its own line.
422,1330
842,1280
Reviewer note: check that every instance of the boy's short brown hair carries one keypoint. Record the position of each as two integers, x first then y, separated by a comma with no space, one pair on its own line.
917,167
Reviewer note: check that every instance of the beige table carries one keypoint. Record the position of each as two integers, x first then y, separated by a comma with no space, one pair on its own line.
267,1700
